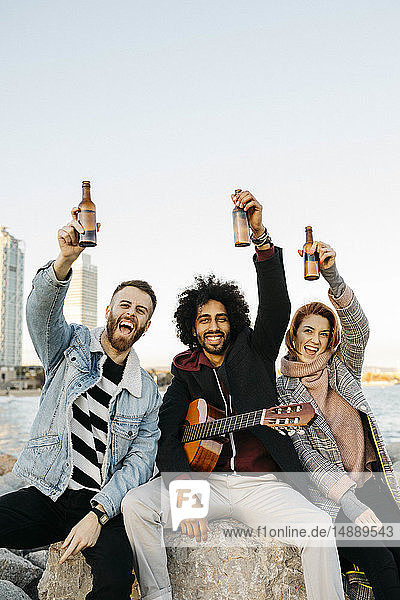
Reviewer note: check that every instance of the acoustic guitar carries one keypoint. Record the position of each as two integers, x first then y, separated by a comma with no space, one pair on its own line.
204,422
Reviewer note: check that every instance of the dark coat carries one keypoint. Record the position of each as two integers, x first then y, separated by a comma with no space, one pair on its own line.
248,371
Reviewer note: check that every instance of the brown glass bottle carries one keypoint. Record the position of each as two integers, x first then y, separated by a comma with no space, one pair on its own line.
87,218
311,261
240,226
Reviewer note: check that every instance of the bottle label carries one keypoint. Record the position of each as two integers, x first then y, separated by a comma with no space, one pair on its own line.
311,266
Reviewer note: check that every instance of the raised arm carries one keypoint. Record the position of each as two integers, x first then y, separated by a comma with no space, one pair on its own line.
355,327
273,299
44,310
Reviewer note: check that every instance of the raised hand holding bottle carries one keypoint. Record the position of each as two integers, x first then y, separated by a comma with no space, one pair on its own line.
87,218
311,259
240,225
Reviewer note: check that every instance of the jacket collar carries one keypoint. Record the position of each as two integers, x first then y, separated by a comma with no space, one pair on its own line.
191,360
290,383
132,377
299,393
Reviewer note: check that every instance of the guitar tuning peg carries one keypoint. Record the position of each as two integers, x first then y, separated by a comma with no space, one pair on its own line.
301,431
291,432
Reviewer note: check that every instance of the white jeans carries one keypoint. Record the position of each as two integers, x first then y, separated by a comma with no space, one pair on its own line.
256,501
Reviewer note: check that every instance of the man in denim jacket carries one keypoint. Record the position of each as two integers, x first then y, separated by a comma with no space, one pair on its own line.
95,434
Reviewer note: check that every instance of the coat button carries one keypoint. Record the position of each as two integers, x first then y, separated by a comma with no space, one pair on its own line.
73,358
130,433
79,385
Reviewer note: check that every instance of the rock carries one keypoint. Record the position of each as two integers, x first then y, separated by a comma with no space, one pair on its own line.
10,483
18,570
7,462
70,581
393,449
9,591
31,590
220,569
38,558
396,469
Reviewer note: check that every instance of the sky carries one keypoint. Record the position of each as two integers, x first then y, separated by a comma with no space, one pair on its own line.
167,107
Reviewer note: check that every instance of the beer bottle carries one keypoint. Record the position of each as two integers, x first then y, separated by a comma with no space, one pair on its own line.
311,261
240,225
87,218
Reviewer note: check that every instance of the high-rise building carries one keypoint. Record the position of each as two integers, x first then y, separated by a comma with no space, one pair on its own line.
81,300
11,298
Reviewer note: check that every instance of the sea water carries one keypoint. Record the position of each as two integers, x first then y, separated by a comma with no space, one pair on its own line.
18,413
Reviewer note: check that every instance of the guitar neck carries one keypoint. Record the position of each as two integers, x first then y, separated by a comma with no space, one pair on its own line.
219,427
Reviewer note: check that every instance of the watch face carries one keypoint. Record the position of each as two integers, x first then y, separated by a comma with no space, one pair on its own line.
103,519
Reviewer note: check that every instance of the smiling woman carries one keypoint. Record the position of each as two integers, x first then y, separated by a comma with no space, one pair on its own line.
350,471
313,330
312,337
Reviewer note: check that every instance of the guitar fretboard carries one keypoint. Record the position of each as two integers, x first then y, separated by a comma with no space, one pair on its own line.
202,431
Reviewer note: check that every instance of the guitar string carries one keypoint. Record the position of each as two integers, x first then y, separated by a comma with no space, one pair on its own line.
220,426
207,429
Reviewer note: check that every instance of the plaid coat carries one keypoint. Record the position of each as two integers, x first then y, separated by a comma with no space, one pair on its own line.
317,449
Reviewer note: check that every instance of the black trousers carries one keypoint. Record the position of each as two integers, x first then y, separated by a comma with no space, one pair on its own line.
29,519
380,562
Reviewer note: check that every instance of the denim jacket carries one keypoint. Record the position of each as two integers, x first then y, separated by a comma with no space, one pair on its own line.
73,359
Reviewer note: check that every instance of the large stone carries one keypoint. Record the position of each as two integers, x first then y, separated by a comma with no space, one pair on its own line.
396,469
70,581
224,569
9,591
393,449
38,558
18,570
7,462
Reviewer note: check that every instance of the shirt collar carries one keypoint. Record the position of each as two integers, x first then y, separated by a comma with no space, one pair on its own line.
132,376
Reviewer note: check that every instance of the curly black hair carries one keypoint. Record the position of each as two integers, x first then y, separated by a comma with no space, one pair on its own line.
204,289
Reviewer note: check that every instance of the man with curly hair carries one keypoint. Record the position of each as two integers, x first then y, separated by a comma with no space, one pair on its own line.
232,367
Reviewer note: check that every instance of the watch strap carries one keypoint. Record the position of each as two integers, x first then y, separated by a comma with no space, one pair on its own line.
102,516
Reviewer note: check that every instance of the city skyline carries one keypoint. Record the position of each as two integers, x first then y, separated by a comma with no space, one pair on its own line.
11,298
81,300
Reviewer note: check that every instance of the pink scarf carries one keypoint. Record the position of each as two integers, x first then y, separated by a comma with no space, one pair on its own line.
343,419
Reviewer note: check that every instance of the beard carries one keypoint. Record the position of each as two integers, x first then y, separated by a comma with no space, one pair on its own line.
120,342
222,346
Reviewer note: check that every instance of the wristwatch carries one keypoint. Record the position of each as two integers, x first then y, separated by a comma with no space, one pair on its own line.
102,517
